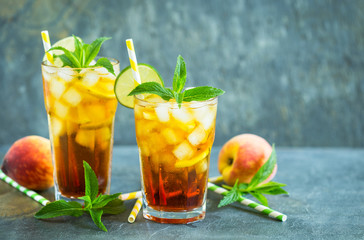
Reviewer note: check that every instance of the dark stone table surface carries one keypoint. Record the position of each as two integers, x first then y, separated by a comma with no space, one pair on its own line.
326,201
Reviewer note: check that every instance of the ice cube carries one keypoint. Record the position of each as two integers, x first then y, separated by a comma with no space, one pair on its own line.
72,96
197,136
183,151
90,78
201,166
182,115
67,74
149,115
48,72
86,138
206,116
104,133
101,70
60,109
170,136
57,88
56,126
162,113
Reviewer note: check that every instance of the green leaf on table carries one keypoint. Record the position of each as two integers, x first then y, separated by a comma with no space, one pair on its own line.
96,217
60,208
273,191
232,196
115,206
263,200
91,182
103,200
266,170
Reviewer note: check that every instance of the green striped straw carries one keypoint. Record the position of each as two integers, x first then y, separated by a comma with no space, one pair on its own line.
35,196
263,209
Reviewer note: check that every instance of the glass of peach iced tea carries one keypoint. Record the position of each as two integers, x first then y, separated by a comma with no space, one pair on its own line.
174,138
81,104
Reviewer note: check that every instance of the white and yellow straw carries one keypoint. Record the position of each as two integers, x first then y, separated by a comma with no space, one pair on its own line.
133,60
130,196
47,46
135,211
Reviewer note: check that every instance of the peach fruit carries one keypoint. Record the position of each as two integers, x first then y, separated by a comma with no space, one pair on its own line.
29,163
242,156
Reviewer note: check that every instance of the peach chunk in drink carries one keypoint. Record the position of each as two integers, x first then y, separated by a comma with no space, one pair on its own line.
81,106
174,146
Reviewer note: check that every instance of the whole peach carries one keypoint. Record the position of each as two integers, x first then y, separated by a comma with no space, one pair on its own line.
242,156
29,162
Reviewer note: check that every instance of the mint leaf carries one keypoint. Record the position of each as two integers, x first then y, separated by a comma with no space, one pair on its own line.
232,196
115,206
179,78
102,200
60,208
201,93
104,62
154,88
93,49
70,55
273,191
65,60
91,182
96,217
265,170
263,200
243,186
78,49
270,185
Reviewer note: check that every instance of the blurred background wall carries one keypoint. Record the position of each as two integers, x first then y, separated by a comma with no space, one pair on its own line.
293,71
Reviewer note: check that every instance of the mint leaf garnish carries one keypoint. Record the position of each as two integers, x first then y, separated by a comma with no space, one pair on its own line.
201,93
83,54
255,187
177,92
266,170
232,196
93,204
154,88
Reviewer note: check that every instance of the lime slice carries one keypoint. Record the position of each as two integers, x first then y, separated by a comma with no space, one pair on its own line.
68,43
125,83
193,161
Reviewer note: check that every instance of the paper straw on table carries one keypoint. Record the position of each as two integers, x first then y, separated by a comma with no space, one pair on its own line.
135,211
133,60
130,196
263,209
47,46
35,196
216,179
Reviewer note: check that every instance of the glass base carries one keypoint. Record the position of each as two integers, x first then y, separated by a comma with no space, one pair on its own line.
195,215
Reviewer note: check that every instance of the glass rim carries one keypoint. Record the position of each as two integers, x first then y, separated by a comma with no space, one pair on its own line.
113,61
192,104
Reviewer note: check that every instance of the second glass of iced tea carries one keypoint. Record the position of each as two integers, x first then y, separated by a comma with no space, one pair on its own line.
174,147
81,106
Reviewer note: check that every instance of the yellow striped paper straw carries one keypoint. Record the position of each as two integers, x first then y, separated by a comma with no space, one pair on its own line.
47,46
130,196
133,60
135,211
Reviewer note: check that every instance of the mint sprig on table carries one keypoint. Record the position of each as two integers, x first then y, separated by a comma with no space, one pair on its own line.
255,188
178,93
83,54
93,204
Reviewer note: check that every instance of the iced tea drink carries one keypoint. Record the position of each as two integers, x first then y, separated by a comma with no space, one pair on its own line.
81,106
174,146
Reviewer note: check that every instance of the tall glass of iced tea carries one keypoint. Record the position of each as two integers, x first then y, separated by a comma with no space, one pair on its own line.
81,105
174,147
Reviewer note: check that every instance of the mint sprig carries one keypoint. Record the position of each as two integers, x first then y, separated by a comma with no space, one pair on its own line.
255,187
177,92
93,204
83,54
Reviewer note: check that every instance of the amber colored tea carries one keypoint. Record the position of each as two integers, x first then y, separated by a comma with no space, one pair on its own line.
81,105
174,146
